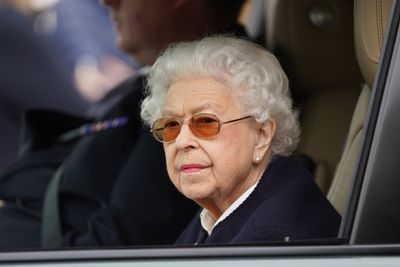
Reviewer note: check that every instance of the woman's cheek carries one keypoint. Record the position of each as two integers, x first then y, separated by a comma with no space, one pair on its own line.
170,161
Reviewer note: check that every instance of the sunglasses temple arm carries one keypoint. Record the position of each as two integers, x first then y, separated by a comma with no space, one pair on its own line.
247,117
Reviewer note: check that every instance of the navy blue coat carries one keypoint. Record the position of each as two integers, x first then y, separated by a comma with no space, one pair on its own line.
285,203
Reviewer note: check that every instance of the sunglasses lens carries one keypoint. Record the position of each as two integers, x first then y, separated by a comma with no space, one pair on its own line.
204,125
166,130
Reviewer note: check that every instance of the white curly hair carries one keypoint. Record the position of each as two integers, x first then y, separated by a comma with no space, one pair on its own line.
245,66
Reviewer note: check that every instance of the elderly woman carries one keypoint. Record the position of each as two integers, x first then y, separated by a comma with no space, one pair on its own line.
222,109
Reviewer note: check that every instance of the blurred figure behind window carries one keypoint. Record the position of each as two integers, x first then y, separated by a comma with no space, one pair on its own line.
30,77
84,38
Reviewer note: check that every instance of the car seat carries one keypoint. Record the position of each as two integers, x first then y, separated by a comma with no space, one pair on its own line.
370,21
314,41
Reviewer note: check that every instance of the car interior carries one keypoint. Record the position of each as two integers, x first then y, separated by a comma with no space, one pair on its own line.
331,65
370,22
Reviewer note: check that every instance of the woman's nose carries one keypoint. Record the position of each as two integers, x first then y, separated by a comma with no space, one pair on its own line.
185,138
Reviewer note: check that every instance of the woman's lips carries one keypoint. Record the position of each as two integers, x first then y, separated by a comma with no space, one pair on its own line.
189,168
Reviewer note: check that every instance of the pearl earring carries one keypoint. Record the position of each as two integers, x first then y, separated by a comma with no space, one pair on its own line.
257,159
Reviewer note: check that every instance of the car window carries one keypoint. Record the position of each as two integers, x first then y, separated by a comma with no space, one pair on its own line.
326,83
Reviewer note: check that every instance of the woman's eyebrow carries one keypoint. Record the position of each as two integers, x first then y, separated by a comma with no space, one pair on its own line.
170,113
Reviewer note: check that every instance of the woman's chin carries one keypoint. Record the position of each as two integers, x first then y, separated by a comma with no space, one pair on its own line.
194,193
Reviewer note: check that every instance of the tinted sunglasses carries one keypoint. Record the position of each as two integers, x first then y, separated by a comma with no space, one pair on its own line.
202,125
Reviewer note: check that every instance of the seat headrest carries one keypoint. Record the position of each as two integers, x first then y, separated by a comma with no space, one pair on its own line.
314,40
370,22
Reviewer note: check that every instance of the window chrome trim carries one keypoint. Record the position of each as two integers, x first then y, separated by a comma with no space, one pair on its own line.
196,253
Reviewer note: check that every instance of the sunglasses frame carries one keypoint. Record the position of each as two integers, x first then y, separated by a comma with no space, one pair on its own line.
181,122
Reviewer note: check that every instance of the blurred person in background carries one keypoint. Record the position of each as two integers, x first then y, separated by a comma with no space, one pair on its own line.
75,51
106,183
83,36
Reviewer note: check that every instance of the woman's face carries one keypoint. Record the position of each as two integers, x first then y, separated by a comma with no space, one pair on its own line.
216,171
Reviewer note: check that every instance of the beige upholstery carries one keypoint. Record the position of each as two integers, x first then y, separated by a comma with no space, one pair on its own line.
314,40
341,183
370,20
325,119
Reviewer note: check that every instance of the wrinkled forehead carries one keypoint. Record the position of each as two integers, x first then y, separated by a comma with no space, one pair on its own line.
195,95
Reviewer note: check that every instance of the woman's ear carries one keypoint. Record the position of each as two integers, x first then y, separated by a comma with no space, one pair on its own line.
265,132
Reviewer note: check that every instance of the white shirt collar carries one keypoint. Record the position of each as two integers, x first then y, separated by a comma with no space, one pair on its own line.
207,221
